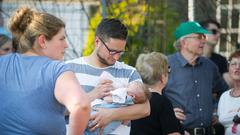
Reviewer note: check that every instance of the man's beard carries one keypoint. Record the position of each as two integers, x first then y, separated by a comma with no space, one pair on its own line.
103,61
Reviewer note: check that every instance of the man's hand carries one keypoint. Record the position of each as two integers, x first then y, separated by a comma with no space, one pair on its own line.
101,118
179,113
102,89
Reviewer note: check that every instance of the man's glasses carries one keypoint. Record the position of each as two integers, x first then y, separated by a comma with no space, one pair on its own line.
199,36
111,51
214,31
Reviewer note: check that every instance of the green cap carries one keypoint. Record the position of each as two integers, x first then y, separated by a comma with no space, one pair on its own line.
189,28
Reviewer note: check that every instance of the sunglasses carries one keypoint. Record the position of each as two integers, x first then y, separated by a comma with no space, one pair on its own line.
199,37
111,51
214,31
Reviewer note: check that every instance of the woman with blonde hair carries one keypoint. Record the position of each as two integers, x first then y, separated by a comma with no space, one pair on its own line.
35,86
153,68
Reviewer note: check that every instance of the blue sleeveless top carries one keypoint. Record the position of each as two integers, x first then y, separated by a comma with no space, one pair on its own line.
27,102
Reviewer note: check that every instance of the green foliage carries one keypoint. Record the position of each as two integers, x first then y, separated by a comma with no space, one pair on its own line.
89,46
156,34
150,23
132,13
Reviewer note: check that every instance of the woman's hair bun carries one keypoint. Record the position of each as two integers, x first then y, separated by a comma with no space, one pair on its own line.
19,22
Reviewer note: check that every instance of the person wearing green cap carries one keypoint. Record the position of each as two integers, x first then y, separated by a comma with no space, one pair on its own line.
192,79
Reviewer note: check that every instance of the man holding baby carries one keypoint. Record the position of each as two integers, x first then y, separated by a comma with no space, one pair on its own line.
110,41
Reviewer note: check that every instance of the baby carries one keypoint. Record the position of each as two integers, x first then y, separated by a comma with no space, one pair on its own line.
134,93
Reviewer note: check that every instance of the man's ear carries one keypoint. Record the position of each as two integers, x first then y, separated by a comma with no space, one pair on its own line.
96,41
41,41
182,42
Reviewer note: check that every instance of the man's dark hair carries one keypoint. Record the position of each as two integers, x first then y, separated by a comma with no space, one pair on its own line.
111,28
206,23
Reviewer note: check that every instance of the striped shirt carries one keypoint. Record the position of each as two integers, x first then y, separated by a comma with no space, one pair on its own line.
89,76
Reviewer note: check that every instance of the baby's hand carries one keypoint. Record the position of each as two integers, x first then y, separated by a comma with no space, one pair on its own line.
108,99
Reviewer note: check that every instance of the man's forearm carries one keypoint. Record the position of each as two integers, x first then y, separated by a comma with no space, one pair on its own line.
91,96
132,112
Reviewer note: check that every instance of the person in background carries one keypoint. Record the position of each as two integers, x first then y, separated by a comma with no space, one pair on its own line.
5,44
153,68
2,28
110,41
192,79
212,40
221,62
229,103
36,85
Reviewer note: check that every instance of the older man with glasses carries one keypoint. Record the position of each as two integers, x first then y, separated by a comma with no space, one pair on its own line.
192,79
110,41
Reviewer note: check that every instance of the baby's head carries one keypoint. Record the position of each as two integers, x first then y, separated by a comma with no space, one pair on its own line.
139,92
